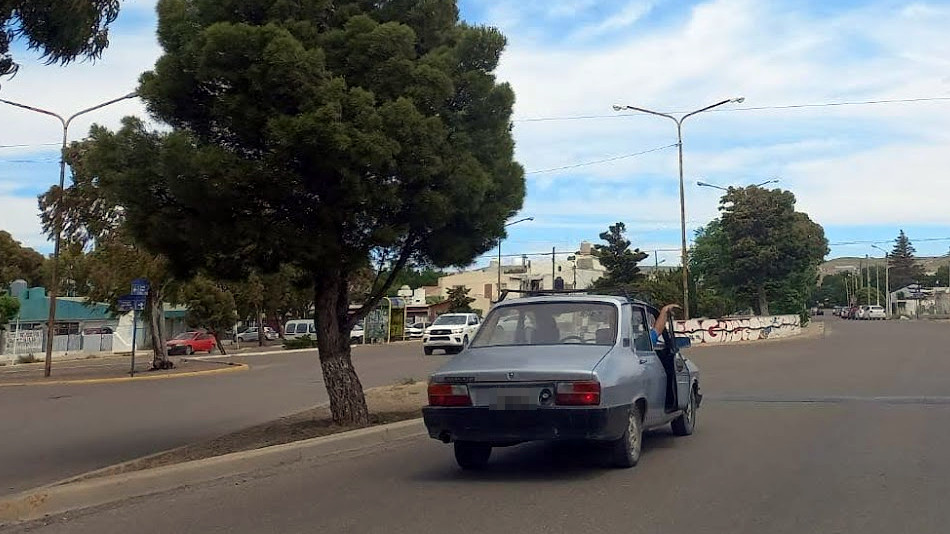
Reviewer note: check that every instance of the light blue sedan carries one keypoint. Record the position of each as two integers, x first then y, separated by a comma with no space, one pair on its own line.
563,366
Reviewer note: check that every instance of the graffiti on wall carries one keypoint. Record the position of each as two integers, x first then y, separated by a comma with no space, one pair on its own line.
739,329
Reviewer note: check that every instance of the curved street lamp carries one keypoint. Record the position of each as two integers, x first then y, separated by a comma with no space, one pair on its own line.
679,142
499,248
58,223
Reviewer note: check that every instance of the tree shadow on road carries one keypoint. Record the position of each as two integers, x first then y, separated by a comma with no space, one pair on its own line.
542,462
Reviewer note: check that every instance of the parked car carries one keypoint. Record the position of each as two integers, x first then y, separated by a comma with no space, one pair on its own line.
191,342
416,330
450,332
358,335
251,334
875,313
585,369
297,328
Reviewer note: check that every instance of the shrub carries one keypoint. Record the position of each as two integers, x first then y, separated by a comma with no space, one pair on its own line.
26,358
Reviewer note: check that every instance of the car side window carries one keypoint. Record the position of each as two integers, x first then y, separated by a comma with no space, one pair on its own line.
640,331
313,329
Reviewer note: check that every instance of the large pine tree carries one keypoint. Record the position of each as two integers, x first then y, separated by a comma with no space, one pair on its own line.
904,267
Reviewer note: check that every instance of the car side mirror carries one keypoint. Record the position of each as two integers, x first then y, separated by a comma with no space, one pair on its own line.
683,342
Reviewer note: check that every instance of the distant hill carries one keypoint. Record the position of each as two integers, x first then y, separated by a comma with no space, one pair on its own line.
837,265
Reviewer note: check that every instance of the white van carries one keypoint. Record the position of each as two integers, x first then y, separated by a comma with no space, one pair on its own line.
297,328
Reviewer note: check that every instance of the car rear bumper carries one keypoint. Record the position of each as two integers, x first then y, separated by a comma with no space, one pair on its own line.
515,426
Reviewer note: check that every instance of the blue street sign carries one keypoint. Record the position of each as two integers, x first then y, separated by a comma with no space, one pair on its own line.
131,302
140,286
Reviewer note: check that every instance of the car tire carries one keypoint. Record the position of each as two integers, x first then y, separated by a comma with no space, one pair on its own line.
472,455
625,451
427,350
464,343
686,423
189,351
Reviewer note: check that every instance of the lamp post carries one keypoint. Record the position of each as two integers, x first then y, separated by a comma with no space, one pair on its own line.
679,141
887,278
499,251
58,222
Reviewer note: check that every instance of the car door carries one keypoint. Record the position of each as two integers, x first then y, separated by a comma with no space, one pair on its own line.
653,369
684,380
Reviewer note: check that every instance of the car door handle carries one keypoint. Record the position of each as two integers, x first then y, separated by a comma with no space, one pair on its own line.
644,361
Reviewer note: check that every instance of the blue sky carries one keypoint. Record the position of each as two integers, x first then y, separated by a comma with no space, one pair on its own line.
863,172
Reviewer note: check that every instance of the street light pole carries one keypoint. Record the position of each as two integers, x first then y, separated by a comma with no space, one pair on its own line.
499,254
58,220
679,142
887,278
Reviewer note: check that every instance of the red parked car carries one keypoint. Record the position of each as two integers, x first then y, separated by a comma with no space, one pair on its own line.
191,342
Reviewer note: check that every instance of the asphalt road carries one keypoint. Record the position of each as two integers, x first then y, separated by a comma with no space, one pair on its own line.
848,433
48,433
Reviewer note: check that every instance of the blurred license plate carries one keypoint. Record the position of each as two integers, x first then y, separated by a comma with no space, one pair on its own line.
514,399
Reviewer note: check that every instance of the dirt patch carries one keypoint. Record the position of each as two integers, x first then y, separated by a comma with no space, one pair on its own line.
387,404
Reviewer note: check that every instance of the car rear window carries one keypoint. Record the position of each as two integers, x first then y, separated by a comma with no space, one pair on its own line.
549,323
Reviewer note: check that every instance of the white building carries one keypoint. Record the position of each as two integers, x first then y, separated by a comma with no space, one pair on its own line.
568,270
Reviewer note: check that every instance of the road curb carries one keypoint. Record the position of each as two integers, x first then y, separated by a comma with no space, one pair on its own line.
67,496
229,368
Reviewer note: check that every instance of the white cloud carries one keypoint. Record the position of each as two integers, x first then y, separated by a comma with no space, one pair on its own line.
19,216
623,18
774,54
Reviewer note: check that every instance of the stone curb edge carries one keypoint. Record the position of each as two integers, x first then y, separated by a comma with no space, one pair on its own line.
229,368
63,497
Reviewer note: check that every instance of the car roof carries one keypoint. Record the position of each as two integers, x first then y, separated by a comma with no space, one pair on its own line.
568,297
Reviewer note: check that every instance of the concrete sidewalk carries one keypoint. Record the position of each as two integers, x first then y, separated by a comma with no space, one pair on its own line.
100,370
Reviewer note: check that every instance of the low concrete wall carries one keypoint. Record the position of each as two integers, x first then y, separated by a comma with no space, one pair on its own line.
735,330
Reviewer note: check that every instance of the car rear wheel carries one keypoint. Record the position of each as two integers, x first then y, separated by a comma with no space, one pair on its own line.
625,451
684,424
189,350
472,455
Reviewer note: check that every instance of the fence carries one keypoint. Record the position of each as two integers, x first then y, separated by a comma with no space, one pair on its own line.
33,341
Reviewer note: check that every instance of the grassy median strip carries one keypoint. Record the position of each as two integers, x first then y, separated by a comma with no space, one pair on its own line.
387,404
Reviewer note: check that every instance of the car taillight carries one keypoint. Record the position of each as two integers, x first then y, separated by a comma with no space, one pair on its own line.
577,393
449,395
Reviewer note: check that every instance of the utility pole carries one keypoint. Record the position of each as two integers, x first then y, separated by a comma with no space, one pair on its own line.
553,268
877,285
868,291
53,288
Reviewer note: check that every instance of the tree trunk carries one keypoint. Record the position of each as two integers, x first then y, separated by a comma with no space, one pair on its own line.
763,301
156,327
331,299
217,341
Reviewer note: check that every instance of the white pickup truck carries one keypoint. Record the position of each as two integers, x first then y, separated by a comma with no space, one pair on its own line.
450,332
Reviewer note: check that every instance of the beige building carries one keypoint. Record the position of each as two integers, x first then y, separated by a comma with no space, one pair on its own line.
568,270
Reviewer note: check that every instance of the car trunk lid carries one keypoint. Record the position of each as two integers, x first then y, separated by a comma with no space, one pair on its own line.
520,377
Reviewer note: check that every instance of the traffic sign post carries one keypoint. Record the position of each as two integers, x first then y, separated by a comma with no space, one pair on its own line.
134,302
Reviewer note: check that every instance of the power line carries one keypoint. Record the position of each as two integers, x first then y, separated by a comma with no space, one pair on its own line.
48,160
870,242
747,108
599,161
29,145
